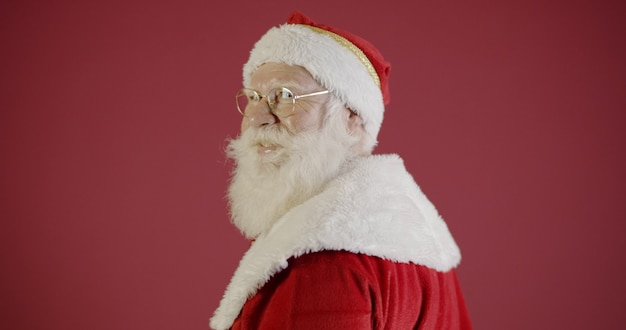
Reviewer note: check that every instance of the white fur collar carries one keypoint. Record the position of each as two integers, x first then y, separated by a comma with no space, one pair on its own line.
375,208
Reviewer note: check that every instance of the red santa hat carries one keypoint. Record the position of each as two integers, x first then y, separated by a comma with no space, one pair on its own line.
348,66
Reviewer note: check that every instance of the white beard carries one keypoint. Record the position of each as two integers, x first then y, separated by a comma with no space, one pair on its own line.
264,187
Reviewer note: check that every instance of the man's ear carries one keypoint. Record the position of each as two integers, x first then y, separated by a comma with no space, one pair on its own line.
355,124
356,128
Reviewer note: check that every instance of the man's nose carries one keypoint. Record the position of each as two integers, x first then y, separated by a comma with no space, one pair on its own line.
260,114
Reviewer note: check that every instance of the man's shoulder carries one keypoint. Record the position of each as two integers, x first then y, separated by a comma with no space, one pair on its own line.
342,270
335,271
333,259
346,262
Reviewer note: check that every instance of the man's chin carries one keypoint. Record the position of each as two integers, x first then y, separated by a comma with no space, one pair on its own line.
268,149
270,161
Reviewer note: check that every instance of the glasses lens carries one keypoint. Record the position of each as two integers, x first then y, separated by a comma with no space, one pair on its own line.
244,97
282,101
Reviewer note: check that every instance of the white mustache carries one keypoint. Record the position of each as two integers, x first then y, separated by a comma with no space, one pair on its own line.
273,135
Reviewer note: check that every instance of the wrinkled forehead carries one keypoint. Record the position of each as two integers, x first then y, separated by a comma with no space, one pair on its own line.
270,75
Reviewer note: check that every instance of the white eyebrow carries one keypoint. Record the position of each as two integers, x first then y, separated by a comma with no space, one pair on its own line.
292,84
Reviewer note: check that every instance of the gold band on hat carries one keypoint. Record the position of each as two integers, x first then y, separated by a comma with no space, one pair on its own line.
354,49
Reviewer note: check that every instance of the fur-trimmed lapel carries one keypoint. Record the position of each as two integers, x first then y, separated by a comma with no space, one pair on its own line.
374,208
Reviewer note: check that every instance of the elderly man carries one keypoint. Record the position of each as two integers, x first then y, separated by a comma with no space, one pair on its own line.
341,238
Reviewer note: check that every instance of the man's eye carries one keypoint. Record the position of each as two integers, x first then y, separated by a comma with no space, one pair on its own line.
286,94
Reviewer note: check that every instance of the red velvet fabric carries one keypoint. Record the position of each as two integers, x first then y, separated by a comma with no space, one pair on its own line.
342,290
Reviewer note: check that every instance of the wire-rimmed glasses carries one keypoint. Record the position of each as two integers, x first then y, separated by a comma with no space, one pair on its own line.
281,101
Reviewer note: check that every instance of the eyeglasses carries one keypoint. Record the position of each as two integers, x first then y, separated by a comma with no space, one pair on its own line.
282,101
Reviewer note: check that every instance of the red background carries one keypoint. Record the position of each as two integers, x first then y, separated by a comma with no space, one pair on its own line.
510,115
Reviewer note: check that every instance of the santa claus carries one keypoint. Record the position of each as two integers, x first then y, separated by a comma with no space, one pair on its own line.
341,238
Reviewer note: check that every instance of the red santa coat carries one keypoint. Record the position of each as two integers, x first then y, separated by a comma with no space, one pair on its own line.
343,290
369,252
